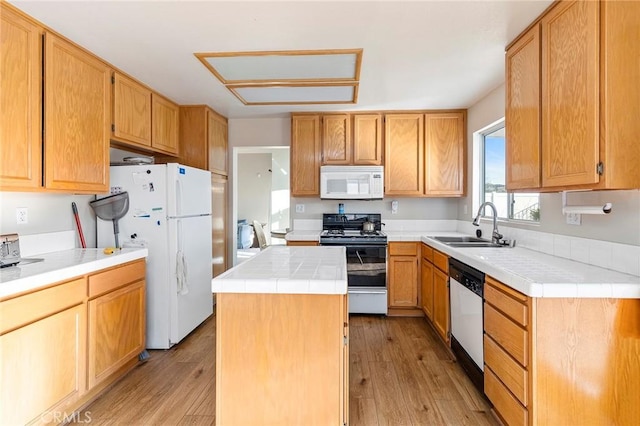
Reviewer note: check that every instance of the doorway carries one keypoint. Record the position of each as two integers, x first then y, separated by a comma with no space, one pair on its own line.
260,193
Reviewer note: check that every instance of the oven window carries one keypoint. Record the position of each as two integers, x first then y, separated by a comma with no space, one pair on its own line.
367,266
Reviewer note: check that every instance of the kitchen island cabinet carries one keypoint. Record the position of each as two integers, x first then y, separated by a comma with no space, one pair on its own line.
282,338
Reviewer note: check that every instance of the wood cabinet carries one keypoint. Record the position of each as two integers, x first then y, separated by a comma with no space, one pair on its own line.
425,154
435,289
587,68
77,106
403,274
506,349
426,281
219,191
336,139
131,111
116,319
367,139
404,154
42,353
302,243
217,131
20,102
164,124
292,366
305,155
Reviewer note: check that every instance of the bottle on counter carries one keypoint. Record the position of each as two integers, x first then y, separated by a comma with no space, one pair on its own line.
341,208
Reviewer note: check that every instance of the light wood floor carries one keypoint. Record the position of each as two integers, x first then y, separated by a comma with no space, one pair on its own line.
400,374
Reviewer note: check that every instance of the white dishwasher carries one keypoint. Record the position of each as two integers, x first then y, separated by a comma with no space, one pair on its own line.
467,326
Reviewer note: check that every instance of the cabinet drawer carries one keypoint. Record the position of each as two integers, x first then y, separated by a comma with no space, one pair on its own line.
514,309
104,282
512,375
427,252
504,402
441,261
509,335
25,309
403,249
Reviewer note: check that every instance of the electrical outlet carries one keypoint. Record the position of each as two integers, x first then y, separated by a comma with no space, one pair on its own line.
299,208
22,216
394,207
574,218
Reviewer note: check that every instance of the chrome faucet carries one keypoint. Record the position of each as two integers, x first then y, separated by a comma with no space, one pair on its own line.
496,236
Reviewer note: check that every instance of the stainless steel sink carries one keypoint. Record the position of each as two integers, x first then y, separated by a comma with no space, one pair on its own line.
467,241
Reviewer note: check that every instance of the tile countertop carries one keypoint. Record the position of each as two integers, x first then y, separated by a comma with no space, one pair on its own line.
288,270
541,275
62,265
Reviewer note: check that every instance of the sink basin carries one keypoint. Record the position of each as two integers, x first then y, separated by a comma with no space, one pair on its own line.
463,239
466,241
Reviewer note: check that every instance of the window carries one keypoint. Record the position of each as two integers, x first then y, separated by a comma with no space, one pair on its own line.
510,206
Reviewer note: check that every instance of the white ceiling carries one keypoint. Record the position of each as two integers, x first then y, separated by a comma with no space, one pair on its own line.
417,54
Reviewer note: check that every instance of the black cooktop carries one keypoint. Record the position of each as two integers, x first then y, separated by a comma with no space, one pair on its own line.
346,229
350,221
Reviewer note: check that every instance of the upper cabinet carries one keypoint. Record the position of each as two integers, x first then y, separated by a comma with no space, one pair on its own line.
575,128
164,124
523,112
336,139
77,118
305,155
20,102
404,154
425,154
143,119
444,154
203,139
367,139
131,111
352,139
218,143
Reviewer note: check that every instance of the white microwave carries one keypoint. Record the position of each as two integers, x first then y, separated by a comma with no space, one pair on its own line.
352,182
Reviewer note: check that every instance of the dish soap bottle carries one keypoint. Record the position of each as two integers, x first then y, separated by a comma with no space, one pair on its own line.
341,208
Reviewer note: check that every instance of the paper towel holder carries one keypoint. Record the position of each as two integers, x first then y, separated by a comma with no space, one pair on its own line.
601,209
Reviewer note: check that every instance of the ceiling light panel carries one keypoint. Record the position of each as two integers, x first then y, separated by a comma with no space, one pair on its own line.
288,77
270,95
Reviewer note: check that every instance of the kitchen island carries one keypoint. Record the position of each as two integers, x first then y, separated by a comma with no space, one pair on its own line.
282,338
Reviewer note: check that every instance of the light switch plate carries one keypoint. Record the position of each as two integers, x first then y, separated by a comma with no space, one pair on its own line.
299,208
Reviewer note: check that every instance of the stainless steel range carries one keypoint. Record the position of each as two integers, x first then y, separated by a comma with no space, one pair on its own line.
366,246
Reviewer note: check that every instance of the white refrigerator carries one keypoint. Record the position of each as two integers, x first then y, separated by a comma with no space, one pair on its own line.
169,214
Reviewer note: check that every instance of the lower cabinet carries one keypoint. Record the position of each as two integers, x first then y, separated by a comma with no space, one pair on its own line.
42,353
403,274
435,289
219,192
58,343
302,243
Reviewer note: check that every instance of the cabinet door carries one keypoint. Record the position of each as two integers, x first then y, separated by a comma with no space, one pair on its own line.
570,94
403,281
77,98
217,135
441,303
336,139
219,188
523,112
194,148
131,111
164,124
20,102
305,155
404,157
42,367
116,330
367,139
444,154
426,288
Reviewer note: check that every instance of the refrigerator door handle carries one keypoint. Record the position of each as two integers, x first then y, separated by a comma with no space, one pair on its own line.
181,262
179,191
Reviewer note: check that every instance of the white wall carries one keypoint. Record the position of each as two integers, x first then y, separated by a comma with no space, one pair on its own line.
254,187
47,213
621,226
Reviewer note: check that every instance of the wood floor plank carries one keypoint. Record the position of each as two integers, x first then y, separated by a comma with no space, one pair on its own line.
400,374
